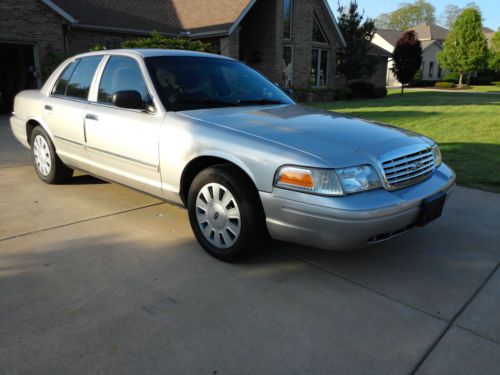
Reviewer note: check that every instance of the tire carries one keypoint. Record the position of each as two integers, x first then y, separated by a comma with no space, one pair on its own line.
48,166
225,213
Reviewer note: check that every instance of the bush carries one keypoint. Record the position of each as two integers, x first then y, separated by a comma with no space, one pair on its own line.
379,92
452,77
309,95
444,85
496,83
361,89
156,40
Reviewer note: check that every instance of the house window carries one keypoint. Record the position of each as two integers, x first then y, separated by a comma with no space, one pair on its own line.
287,19
431,69
440,72
319,67
287,65
318,35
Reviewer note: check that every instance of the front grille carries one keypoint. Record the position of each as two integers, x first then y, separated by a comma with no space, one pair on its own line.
408,169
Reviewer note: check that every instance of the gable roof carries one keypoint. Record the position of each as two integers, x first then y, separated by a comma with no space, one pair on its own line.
174,17
430,31
391,36
104,16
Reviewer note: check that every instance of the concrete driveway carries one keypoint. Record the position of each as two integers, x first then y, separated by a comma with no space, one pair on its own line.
99,279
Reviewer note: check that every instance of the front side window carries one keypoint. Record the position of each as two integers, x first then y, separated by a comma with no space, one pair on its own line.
121,74
186,83
287,19
81,79
319,67
287,65
431,69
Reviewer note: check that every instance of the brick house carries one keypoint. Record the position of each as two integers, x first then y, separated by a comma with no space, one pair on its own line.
293,42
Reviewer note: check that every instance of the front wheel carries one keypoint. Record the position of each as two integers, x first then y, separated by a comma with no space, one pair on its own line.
48,166
225,213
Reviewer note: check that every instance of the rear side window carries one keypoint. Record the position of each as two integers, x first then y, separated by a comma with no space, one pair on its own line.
121,74
81,79
62,82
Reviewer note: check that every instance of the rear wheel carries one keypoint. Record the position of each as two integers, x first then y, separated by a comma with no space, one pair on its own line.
225,213
48,166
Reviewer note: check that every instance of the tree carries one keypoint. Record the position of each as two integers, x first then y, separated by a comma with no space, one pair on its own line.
408,15
383,21
407,58
355,62
465,49
450,14
494,52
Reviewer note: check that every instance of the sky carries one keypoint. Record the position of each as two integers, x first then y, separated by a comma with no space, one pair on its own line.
490,9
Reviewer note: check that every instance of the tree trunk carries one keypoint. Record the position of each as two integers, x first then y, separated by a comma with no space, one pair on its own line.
460,80
402,88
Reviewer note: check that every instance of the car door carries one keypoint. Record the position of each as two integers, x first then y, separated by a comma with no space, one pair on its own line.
123,143
64,110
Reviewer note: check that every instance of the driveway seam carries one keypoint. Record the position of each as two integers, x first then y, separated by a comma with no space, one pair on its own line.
80,221
346,278
452,321
477,334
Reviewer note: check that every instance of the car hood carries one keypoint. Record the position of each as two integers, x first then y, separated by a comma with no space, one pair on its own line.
337,139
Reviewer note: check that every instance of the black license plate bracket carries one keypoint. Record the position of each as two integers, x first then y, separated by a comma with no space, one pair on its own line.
431,209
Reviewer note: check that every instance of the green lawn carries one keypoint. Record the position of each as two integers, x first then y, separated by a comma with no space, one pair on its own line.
466,126
489,88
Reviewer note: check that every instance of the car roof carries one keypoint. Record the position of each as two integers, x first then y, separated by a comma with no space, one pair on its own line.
152,52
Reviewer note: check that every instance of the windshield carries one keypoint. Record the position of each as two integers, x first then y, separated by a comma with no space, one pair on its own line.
185,83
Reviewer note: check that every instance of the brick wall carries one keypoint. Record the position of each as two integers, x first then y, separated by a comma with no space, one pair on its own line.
230,45
80,41
261,39
258,38
31,21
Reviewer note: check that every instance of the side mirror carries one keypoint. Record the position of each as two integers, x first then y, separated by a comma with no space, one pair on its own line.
130,99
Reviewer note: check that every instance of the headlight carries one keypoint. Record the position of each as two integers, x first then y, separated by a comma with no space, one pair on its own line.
327,181
436,152
359,178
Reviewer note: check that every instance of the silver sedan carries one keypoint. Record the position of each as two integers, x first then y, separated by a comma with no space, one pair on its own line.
210,133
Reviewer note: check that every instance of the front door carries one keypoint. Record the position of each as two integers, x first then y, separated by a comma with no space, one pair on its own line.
123,143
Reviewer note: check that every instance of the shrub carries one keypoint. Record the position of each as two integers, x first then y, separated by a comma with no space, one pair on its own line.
361,89
379,92
451,77
156,40
444,85
496,83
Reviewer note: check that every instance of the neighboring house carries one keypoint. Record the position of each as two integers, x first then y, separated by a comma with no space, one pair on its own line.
293,42
488,33
431,37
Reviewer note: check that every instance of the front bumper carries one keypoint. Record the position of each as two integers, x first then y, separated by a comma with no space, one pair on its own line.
353,221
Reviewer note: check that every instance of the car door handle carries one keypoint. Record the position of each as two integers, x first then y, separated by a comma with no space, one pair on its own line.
90,116
48,107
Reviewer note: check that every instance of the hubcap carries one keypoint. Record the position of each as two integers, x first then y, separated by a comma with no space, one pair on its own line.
218,215
41,152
